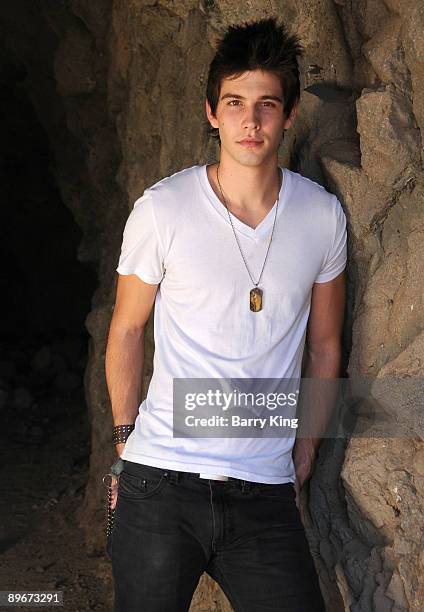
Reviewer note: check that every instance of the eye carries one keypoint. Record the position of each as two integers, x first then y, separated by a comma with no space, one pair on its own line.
237,102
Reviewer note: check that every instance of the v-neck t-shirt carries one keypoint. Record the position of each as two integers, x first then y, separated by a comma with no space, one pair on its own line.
179,236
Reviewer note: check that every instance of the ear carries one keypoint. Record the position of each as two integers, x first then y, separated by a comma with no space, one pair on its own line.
212,119
290,119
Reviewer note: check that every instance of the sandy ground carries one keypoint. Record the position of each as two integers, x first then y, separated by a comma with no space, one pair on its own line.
44,465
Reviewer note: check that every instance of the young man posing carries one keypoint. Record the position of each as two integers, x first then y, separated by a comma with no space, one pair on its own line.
242,259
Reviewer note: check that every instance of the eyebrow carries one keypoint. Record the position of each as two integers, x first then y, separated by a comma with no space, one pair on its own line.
266,97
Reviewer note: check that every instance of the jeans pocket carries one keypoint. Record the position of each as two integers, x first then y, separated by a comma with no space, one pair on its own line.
278,503
151,482
280,491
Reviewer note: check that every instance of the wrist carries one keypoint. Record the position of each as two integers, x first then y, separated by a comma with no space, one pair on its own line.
305,450
119,448
121,433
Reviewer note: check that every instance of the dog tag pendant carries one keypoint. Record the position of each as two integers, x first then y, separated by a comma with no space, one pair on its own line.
256,299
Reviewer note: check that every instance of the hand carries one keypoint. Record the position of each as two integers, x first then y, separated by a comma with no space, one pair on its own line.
304,453
303,472
114,492
114,484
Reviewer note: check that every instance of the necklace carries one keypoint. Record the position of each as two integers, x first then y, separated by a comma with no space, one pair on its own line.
255,296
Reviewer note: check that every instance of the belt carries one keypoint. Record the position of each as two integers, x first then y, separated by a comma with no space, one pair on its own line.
206,475
213,476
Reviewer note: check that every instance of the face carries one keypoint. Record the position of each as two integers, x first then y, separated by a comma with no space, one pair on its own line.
250,108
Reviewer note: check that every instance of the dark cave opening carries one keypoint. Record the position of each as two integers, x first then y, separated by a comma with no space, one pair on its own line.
44,343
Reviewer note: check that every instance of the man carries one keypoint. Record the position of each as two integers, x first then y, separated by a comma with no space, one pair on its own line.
242,259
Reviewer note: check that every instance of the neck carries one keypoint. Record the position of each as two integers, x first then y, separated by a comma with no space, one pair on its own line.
247,188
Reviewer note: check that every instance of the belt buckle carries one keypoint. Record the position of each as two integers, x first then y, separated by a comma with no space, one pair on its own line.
213,476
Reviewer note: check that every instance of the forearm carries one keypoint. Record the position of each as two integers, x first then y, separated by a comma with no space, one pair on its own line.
124,365
317,399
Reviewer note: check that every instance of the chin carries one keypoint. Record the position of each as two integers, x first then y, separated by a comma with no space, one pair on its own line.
249,158
244,161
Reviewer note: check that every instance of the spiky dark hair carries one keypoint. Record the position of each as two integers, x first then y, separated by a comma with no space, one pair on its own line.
258,45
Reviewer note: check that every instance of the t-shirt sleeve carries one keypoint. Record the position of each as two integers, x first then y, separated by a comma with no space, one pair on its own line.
141,250
335,262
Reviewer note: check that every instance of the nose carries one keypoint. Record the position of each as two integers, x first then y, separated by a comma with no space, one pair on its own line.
251,117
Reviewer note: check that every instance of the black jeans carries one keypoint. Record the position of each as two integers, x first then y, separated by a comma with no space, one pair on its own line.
171,526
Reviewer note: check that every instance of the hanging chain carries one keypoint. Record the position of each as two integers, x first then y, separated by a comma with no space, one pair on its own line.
114,473
235,235
110,512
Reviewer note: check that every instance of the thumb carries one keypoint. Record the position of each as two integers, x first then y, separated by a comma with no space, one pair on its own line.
296,487
114,493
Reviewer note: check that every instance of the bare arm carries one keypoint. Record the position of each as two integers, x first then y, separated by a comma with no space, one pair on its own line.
125,347
323,360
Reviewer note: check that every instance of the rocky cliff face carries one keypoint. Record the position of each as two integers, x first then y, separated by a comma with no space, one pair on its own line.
119,90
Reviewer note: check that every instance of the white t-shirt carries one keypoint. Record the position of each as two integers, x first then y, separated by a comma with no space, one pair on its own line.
179,235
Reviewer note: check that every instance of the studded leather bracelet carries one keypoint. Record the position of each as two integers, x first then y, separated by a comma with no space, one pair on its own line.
121,433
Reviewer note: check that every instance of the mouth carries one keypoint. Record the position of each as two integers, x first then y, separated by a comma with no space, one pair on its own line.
251,143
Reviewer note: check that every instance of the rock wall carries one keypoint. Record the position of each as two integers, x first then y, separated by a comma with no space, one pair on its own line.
119,88
358,133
